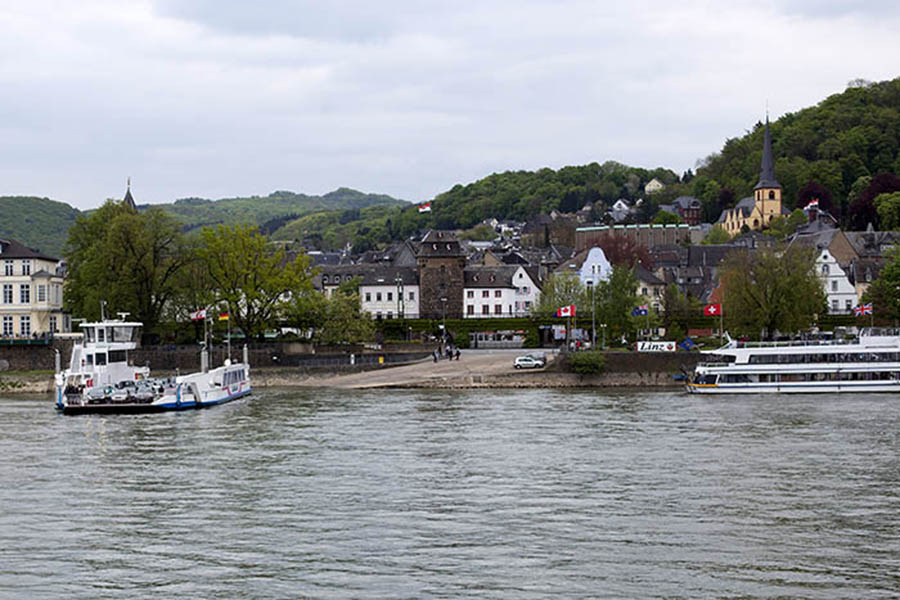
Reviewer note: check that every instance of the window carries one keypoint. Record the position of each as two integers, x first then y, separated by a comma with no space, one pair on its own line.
834,286
42,293
485,293
100,358
101,335
390,314
368,296
834,305
25,325
643,291
26,267
848,305
498,294
412,296
25,293
53,326
377,296
470,294
8,267
485,309
7,293
7,326
390,297
525,290
498,309
120,356
470,309
824,269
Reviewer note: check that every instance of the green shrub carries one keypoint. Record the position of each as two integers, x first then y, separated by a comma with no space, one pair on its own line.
586,363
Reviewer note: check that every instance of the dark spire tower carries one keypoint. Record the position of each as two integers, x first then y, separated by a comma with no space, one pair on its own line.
767,191
128,200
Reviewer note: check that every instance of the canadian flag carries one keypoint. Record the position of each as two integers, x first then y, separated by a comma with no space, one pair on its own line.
425,207
198,315
566,311
712,310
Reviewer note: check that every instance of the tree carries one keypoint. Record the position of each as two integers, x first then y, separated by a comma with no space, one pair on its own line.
863,210
621,250
783,227
678,310
888,207
615,298
248,277
814,191
717,235
884,292
130,260
343,321
562,288
771,291
665,217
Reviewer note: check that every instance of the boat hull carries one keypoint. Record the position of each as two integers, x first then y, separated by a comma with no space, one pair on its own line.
794,388
163,405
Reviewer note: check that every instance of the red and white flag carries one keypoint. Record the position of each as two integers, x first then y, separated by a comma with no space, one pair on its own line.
198,315
425,207
712,310
566,311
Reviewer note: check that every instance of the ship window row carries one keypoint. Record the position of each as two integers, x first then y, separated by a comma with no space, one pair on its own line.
808,377
232,377
831,357
101,358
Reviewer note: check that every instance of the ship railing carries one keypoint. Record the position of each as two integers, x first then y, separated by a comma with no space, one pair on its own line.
795,343
714,364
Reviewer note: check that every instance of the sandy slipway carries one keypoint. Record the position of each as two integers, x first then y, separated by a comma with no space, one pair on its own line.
475,369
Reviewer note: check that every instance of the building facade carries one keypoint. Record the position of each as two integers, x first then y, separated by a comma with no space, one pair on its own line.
31,293
507,291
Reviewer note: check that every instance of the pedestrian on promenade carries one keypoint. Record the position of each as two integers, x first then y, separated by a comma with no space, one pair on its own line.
457,354
434,355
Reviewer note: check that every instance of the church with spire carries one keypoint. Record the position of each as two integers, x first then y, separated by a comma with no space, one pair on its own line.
128,200
758,210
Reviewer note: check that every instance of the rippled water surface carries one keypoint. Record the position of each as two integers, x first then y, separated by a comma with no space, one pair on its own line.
499,494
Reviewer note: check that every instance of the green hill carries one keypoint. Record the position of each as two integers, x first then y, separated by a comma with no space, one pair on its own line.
837,144
36,222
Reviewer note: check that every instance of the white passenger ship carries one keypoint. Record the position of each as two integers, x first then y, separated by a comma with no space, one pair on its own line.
870,363
101,377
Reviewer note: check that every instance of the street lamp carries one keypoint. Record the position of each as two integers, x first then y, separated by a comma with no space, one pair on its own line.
400,307
444,316
593,310
603,329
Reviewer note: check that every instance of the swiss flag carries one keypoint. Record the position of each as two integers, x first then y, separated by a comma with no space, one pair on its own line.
712,310
566,311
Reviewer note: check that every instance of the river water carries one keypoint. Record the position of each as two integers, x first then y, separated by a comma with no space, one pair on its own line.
495,494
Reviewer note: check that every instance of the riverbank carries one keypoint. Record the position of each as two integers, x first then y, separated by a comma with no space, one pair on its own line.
475,370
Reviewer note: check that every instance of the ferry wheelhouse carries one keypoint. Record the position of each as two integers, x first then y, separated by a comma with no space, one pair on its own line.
869,363
101,377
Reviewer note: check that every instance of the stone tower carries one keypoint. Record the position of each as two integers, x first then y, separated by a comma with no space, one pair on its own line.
440,262
767,193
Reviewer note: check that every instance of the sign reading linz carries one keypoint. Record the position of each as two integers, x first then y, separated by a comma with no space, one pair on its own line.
656,346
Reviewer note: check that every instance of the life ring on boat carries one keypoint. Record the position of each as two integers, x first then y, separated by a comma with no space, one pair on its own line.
89,383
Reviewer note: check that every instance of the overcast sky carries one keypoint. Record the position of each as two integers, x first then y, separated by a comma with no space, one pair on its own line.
218,98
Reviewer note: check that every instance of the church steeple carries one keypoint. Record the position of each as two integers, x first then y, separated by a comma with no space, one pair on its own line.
767,179
128,200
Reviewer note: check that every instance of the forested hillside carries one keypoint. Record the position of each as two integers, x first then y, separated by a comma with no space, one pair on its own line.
837,145
198,212
36,222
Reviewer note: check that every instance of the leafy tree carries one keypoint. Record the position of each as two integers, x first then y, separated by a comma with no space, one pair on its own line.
615,298
813,191
562,288
131,260
717,235
678,310
783,227
888,207
863,211
250,278
771,291
884,292
623,250
664,217
480,232
343,321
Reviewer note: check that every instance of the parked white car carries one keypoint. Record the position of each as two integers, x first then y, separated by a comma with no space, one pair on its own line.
528,362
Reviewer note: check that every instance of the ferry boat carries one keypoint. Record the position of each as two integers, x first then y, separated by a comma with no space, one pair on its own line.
869,363
101,377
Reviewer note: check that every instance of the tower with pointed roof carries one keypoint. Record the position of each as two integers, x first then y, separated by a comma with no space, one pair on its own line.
767,192
128,200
